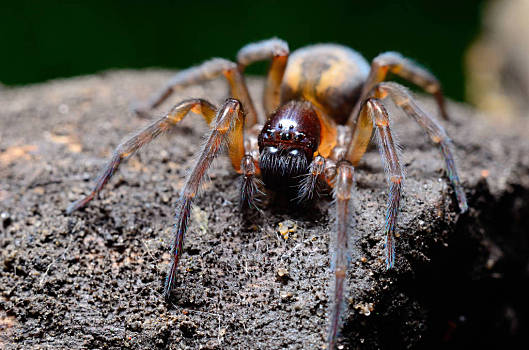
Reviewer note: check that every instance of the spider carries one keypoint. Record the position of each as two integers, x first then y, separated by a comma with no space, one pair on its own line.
323,103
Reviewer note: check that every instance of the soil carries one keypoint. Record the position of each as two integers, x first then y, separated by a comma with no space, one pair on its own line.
94,279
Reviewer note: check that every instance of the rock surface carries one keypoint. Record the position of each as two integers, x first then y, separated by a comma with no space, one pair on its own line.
94,279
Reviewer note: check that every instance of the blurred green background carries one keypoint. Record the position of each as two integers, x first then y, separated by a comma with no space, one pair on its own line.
43,40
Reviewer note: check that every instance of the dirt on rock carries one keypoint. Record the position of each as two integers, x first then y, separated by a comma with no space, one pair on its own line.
94,279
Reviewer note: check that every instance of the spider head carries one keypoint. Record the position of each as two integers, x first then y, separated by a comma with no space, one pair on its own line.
287,144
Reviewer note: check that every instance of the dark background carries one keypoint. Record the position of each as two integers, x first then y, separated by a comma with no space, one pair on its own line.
43,40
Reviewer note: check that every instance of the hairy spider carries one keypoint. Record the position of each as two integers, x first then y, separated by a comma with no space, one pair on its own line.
322,104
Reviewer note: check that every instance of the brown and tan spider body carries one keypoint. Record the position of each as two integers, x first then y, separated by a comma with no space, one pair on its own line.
323,104
329,76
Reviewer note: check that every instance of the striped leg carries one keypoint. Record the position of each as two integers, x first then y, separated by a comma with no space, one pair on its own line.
340,246
374,115
225,120
394,171
133,144
402,98
397,64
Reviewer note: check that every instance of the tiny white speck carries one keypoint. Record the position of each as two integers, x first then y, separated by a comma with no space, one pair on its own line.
63,108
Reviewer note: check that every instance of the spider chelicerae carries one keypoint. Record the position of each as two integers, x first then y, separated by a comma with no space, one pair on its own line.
323,103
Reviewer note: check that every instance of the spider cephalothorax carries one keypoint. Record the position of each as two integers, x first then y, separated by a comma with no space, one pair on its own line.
287,144
323,103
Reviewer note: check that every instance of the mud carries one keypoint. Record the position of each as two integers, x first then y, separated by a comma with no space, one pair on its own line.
94,279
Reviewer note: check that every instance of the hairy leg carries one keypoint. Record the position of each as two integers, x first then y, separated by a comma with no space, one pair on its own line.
309,183
340,246
397,64
275,50
374,116
208,70
225,120
402,98
143,137
250,184
394,171
360,138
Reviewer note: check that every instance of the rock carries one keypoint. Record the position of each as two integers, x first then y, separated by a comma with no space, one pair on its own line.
94,279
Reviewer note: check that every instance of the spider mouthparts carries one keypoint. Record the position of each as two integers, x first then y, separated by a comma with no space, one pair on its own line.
281,167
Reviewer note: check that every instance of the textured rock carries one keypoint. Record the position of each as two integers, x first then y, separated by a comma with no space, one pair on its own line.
94,279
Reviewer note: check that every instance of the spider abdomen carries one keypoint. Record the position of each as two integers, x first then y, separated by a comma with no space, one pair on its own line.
330,76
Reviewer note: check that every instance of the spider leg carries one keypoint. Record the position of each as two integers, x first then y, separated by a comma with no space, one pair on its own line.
275,49
397,64
394,171
340,245
310,181
208,70
133,144
362,133
250,185
225,119
402,98
374,115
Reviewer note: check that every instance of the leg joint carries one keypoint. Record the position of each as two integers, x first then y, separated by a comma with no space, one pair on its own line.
396,179
388,59
248,165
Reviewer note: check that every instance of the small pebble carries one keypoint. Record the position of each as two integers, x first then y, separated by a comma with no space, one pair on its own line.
282,272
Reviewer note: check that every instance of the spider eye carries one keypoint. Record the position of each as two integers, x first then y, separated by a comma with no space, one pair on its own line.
300,136
286,136
268,134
